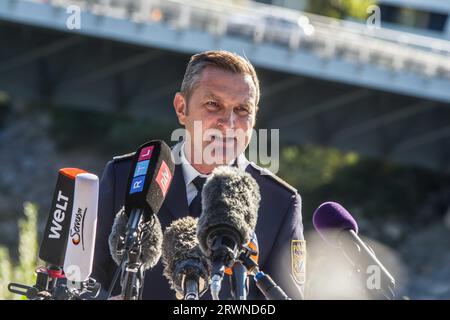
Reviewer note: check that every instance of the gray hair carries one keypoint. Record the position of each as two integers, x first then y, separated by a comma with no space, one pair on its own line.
223,60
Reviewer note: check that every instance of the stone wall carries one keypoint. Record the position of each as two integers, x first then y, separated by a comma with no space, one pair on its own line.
29,162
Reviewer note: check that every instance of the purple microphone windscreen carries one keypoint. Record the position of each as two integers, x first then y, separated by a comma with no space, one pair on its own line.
330,218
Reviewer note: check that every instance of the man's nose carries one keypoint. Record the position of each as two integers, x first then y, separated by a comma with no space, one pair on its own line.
227,120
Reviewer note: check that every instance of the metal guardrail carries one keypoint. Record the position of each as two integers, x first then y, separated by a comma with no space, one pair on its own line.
327,37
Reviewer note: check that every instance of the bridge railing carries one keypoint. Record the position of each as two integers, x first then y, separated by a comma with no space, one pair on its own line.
329,38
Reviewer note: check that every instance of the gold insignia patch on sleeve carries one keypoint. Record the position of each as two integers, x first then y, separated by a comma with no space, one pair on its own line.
298,258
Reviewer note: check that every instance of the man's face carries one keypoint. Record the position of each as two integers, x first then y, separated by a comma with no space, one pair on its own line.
221,110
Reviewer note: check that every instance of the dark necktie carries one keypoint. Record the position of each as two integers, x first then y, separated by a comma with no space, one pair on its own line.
195,208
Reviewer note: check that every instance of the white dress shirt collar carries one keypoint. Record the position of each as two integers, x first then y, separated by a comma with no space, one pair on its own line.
190,173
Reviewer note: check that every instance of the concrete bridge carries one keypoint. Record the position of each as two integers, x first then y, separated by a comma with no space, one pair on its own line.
379,92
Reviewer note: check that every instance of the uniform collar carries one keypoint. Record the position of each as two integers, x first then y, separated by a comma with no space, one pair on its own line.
190,173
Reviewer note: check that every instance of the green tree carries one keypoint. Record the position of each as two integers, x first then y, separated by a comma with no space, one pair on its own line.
23,270
340,9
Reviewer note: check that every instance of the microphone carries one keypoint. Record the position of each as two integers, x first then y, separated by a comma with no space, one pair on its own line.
238,273
229,213
239,281
56,232
68,242
81,240
79,256
185,266
150,178
339,229
248,260
151,242
136,238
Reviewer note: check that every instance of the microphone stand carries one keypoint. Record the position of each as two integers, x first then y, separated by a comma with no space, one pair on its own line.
131,247
224,247
48,288
190,280
191,290
191,275
239,281
264,282
353,248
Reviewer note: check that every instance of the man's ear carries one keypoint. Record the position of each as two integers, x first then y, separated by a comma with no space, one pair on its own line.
179,103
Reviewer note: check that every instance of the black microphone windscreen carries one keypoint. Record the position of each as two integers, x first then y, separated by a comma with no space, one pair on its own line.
230,199
150,178
151,239
180,249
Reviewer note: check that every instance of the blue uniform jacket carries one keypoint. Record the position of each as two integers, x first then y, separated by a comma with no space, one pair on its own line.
279,231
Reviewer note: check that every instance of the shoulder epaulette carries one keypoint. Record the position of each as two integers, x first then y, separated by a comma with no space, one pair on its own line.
124,156
267,173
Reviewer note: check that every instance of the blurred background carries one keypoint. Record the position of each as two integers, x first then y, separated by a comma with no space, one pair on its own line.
360,90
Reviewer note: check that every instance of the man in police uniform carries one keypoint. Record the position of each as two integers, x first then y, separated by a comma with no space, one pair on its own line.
218,100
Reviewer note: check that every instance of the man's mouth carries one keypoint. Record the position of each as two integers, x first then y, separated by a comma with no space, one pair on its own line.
223,140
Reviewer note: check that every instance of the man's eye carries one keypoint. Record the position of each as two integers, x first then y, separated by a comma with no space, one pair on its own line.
212,104
242,111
